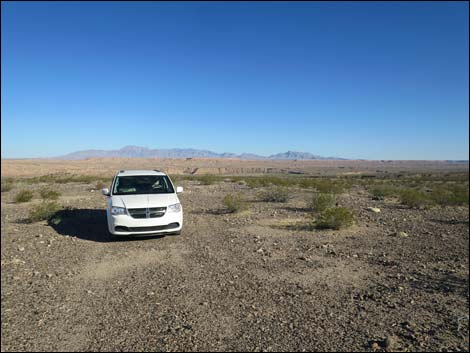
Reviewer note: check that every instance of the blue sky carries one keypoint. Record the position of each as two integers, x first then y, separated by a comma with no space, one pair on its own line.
355,80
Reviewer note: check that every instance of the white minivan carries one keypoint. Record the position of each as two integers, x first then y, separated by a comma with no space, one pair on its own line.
143,202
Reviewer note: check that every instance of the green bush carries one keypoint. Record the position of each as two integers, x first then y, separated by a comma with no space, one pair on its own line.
415,198
275,194
23,196
321,201
380,192
48,194
43,211
234,203
334,218
6,186
450,195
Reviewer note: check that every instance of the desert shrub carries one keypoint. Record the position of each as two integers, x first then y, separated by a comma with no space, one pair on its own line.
334,218
207,179
335,186
415,198
65,179
42,212
321,201
329,186
23,196
275,194
234,203
268,181
450,195
382,191
48,194
7,185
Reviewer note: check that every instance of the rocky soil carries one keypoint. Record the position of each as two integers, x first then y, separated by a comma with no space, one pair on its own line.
397,280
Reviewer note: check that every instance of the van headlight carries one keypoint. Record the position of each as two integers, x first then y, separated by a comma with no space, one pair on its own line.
174,208
115,211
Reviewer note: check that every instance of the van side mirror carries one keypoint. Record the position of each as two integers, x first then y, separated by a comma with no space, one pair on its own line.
105,191
179,189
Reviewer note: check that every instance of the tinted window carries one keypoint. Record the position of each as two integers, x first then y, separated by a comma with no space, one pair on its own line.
142,184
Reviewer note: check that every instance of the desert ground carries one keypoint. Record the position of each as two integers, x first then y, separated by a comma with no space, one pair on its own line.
261,279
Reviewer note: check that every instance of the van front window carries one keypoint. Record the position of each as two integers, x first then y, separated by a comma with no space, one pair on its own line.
142,184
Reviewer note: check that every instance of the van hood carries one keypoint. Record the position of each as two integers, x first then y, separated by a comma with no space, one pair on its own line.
144,201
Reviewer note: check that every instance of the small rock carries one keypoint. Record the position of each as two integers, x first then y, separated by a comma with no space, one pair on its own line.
374,209
21,248
150,293
375,346
49,275
400,234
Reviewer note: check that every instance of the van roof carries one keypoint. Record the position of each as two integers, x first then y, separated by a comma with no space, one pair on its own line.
139,172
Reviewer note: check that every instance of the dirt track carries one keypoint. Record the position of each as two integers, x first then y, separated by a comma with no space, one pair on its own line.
236,282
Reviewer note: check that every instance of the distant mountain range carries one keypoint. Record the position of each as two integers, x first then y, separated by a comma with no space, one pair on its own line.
144,152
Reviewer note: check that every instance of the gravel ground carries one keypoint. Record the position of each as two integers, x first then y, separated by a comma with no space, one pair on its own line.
240,282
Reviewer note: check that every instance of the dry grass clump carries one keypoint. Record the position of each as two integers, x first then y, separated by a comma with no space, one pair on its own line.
275,194
23,196
334,218
48,194
43,212
321,201
234,203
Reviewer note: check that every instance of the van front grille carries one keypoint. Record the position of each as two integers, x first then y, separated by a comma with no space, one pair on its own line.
152,212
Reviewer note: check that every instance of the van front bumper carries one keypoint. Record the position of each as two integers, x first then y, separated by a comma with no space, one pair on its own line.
171,222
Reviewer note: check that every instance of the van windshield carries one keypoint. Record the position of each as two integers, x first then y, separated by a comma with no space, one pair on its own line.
142,184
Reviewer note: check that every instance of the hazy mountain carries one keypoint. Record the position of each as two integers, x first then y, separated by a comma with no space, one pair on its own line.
144,152
297,155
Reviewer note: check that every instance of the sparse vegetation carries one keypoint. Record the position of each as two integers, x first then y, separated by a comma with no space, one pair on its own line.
334,218
280,247
43,212
207,179
335,186
234,203
275,194
65,179
48,194
383,191
23,196
7,185
327,185
456,195
415,198
321,201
